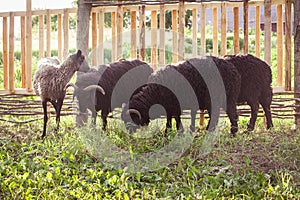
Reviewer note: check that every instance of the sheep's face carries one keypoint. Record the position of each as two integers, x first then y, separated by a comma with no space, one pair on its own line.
77,59
134,118
84,100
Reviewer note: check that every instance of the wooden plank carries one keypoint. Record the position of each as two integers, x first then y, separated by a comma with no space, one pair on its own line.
113,39
246,26
279,44
11,70
257,31
28,46
154,39
119,32
133,53
288,45
236,31
94,38
215,30
194,30
203,30
267,30
223,29
175,36
181,12
161,61
59,37
100,48
142,52
23,50
5,52
297,63
66,33
48,33
41,36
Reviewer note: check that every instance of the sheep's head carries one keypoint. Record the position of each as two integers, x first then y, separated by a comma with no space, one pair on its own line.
134,118
76,60
85,96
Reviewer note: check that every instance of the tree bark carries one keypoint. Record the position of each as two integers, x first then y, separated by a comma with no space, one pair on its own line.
297,61
83,24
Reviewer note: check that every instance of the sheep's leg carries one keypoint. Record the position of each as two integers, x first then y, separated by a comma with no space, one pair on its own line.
58,109
179,126
193,119
94,116
211,126
104,119
169,122
254,112
233,117
267,110
44,104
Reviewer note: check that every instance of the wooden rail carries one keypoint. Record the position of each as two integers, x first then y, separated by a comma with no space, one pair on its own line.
140,35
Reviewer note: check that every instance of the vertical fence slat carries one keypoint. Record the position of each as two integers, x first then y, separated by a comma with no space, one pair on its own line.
288,44
133,34
223,28
100,48
161,35
194,29
267,29
94,38
59,37
5,52
119,31
175,36
181,12
279,44
236,31
142,51
11,71
28,46
48,33
23,48
41,36
202,29
246,26
215,30
257,31
154,39
113,39
66,33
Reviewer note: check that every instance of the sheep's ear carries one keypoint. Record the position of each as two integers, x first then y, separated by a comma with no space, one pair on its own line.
79,53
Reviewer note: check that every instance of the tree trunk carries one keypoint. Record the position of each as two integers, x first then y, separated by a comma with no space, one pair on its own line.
297,61
83,24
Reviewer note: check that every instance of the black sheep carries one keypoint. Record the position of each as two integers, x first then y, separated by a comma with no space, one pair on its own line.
108,86
212,81
256,79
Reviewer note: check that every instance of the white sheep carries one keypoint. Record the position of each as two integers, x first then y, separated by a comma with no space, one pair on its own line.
51,78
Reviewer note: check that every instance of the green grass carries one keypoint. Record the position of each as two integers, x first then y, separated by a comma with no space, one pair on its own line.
257,165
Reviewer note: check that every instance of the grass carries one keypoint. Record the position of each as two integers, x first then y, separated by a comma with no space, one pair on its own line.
257,165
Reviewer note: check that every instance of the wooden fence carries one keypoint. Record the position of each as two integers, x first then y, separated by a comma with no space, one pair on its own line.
138,37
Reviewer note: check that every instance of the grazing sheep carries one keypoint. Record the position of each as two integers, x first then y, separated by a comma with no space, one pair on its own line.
50,80
211,79
256,79
106,87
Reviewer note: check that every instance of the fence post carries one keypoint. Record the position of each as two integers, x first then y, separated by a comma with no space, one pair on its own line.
41,36
175,35
100,47
119,31
162,35
279,44
94,38
181,48
194,29
66,33
59,37
257,31
28,46
267,34
288,44
215,31
5,53
11,79
133,34
202,29
113,39
23,51
223,28
236,31
48,33
142,52
246,26
154,39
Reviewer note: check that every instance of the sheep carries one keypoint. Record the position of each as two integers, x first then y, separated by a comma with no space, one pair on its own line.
211,79
50,80
106,87
256,79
